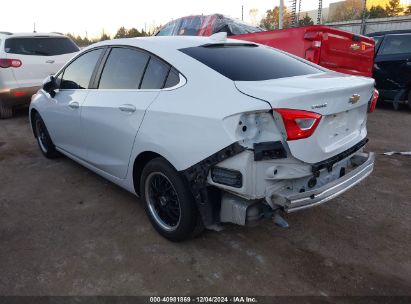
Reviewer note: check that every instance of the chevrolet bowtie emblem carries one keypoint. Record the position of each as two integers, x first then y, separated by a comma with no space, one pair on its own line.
355,98
354,47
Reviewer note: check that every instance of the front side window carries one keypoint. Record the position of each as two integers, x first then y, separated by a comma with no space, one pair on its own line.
40,46
77,74
377,40
396,44
249,62
124,69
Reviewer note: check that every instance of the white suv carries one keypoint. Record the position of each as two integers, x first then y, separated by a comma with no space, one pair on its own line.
25,60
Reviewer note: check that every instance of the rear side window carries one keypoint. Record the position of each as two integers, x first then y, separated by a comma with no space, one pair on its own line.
396,44
124,69
234,27
173,79
77,75
168,29
190,26
40,46
155,75
249,62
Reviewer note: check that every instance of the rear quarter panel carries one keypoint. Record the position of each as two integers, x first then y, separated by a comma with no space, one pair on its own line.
187,125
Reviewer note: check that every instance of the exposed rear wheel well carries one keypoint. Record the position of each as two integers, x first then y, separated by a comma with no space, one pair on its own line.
139,164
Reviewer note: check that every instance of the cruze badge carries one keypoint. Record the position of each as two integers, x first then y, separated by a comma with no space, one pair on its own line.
355,98
319,106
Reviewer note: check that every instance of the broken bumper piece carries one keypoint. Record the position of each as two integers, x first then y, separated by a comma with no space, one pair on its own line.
363,166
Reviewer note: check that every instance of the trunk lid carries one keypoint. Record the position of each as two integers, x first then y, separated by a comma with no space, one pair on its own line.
343,123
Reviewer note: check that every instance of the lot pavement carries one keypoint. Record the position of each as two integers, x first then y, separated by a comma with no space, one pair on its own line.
66,231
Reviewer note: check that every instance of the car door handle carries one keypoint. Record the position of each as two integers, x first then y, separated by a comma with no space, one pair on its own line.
50,61
74,105
127,108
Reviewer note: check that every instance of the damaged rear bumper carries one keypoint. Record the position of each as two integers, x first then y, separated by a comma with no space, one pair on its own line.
364,164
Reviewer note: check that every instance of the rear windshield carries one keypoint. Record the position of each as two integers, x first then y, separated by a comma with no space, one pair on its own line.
40,46
249,62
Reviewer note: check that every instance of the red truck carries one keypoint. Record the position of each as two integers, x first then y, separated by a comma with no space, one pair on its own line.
331,48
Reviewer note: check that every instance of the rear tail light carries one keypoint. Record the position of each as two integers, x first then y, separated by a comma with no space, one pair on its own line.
313,53
299,124
19,93
10,63
373,101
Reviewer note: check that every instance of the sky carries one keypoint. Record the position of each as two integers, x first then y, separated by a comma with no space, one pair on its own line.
92,17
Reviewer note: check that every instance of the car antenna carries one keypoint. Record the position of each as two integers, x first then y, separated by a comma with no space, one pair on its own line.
219,37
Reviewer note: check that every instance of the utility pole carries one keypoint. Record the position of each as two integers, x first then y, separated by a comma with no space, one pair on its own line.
242,12
294,13
280,17
364,17
34,27
320,11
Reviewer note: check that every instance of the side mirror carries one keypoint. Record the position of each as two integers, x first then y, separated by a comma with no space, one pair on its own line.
50,85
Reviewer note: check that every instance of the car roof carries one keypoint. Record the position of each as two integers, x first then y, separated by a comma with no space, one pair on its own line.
168,49
158,43
28,34
389,33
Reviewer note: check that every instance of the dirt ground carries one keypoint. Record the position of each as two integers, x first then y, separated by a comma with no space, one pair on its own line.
66,231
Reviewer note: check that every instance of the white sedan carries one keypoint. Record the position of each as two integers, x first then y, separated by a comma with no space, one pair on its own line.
208,130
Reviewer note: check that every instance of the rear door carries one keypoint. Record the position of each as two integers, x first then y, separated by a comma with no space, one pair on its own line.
130,81
346,52
40,56
392,70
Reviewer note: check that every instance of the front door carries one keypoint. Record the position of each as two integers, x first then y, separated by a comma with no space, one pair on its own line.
63,116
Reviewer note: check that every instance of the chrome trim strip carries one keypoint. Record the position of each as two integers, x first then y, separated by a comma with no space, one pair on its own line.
181,83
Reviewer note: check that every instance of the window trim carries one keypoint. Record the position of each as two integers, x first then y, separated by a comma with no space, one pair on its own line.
182,82
92,78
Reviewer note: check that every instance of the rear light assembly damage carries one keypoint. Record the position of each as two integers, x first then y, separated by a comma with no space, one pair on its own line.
373,101
10,63
313,52
299,124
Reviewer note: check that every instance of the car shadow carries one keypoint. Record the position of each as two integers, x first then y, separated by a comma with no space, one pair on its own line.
388,105
21,112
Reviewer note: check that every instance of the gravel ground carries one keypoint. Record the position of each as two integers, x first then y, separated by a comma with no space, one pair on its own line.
66,231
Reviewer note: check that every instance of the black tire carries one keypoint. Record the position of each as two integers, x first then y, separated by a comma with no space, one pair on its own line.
46,145
409,100
168,201
5,112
